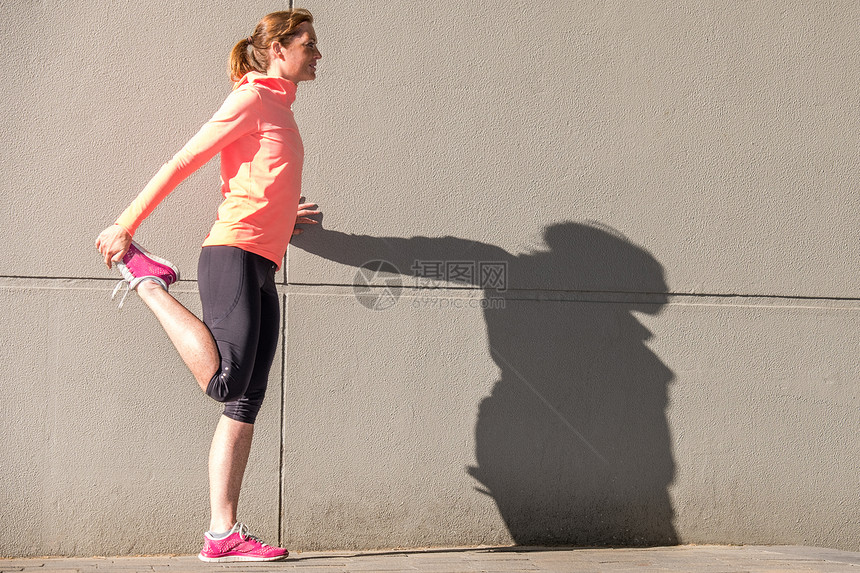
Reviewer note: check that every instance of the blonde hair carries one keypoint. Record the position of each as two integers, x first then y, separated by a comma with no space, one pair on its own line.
252,53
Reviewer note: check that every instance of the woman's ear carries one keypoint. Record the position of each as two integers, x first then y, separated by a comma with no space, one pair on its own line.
277,50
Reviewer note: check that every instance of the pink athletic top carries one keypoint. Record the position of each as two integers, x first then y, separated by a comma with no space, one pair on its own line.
261,168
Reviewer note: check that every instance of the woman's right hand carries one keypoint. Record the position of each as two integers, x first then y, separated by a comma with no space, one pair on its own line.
303,216
113,243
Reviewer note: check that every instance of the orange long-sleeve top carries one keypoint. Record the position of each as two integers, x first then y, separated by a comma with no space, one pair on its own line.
261,169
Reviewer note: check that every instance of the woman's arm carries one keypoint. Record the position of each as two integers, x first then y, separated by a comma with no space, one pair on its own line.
238,116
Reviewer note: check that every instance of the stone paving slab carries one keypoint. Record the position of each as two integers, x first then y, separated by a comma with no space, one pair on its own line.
687,558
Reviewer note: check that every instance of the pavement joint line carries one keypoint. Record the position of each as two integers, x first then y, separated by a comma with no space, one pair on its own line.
703,559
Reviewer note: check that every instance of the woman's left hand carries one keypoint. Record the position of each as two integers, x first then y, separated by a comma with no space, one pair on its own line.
113,243
303,216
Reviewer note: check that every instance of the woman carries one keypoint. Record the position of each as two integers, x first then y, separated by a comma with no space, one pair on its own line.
230,352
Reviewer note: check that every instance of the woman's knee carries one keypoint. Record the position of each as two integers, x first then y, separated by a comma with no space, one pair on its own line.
225,387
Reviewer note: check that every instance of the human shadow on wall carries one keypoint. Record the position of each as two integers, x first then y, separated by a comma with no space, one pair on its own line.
573,442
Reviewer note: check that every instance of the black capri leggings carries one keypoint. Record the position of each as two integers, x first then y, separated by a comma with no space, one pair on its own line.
241,309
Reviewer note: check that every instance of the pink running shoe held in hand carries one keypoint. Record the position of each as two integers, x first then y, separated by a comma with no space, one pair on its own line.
140,265
239,546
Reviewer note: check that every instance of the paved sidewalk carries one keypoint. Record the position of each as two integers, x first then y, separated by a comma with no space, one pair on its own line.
689,558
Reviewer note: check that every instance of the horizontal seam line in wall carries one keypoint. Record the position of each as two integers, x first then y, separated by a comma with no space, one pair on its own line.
188,282
610,292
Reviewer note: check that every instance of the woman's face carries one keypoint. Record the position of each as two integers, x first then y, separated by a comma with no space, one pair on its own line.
297,61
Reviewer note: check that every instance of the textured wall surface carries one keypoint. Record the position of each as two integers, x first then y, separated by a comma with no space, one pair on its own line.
106,435
670,192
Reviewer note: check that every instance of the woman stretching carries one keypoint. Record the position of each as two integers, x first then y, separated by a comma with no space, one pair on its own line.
230,352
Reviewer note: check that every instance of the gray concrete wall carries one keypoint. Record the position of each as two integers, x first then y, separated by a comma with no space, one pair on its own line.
672,189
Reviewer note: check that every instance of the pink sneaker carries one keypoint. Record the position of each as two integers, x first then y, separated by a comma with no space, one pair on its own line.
239,546
140,265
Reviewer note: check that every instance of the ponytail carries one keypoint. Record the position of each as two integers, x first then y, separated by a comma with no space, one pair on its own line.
241,59
251,53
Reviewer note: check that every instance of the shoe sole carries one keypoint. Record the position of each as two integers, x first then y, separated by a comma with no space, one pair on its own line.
236,558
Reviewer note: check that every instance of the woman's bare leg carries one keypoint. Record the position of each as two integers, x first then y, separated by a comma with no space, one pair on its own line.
187,332
231,444
228,457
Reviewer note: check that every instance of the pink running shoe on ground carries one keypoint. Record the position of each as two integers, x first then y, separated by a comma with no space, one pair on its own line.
239,546
140,265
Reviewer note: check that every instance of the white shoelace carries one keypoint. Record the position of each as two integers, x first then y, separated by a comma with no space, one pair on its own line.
245,534
116,289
